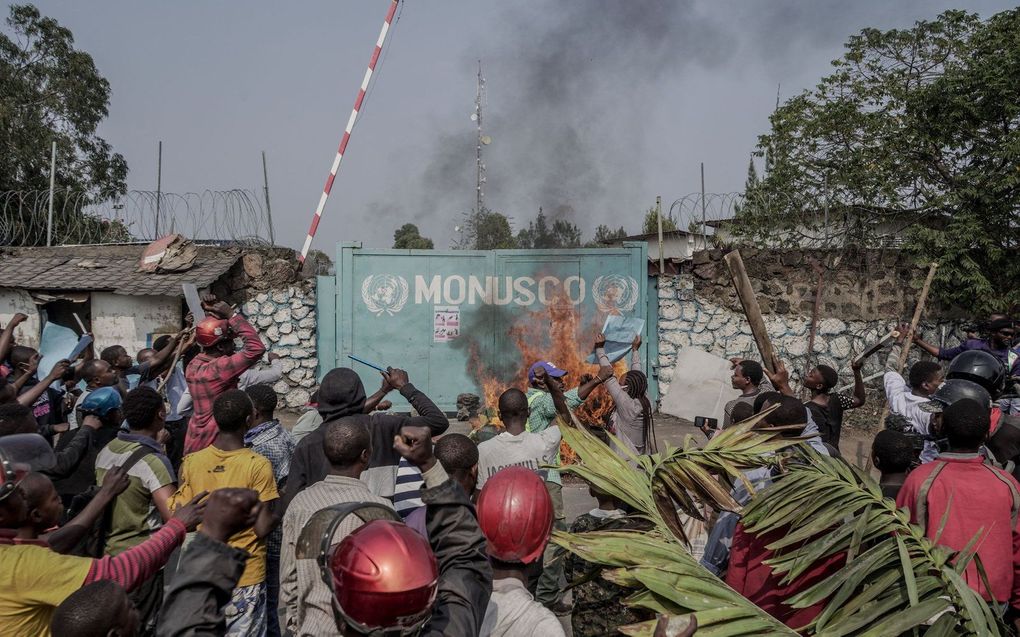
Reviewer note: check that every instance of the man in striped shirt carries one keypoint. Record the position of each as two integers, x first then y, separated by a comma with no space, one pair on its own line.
143,507
308,601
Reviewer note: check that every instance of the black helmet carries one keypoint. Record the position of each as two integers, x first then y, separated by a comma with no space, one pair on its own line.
953,390
980,367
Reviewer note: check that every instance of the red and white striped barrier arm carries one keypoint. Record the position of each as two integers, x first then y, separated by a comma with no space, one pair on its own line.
347,131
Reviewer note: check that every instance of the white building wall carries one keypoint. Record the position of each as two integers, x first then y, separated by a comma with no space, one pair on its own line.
119,319
14,301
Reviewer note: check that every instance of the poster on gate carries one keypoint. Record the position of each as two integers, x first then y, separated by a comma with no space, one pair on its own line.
445,323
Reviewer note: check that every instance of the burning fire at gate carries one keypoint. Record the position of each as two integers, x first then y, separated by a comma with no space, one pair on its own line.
554,334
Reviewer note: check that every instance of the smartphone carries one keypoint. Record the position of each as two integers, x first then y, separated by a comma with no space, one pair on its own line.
706,425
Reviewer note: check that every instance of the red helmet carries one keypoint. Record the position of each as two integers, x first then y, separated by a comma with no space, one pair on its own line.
516,515
211,330
384,576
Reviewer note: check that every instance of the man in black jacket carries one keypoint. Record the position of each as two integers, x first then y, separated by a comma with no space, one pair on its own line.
342,395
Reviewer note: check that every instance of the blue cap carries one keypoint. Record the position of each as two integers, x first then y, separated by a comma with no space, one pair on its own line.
102,401
550,370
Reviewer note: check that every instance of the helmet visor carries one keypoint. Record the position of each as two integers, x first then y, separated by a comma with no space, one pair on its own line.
21,454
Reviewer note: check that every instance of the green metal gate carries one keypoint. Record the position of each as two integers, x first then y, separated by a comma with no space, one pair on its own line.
447,317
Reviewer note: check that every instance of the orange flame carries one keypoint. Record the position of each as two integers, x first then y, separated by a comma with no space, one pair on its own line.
555,335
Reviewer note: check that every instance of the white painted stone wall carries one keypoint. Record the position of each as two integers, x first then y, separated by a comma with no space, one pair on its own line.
285,319
685,320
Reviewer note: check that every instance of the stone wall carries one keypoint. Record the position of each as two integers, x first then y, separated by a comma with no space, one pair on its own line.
285,319
279,300
699,308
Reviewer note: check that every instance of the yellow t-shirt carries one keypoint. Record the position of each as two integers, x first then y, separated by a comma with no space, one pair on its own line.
211,469
33,582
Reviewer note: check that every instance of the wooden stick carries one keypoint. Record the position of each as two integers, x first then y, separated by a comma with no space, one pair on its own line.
173,364
751,308
908,338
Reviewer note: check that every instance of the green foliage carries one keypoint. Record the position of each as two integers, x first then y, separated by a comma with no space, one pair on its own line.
915,135
52,91
490,230
605,235
651,224
539,234
407,237
894,581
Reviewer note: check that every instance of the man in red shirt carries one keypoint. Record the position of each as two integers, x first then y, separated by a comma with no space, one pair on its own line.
980,499
218,367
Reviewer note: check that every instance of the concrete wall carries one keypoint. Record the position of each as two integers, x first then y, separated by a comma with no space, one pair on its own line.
699,308
132,321
18,301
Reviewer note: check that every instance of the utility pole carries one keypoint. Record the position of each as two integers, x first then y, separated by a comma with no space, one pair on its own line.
159,183
658,216
269,210
53,177
704,218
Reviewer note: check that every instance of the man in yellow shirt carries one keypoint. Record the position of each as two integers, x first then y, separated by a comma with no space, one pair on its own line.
33,578
228,463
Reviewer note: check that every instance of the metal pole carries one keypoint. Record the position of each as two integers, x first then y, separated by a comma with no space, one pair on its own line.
358,103
159,183
704,219
269,210
53,177
658,216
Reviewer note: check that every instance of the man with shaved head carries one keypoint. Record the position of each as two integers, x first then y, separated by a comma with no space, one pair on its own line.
516,446
347,446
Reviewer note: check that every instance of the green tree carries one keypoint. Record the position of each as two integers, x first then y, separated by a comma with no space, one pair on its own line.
541,235
605,235
651,224
916,134
51,91
407,237
490,230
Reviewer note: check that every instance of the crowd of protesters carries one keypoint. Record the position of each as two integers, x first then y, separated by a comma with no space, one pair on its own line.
158,494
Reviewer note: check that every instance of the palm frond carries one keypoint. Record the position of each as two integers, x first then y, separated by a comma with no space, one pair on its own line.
895,578
670,581
677,479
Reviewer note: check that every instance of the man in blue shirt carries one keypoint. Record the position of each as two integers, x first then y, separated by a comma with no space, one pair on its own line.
1001,334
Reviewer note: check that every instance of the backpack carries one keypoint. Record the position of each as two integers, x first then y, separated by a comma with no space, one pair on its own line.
94,543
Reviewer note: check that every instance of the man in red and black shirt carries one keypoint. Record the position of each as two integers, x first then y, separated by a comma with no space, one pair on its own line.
218,367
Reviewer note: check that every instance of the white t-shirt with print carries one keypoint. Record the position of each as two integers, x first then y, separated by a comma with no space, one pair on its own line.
530,450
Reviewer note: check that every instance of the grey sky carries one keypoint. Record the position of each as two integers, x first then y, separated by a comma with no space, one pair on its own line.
595,105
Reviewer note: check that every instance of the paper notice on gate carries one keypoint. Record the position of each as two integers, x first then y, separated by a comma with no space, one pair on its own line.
619,332
445,323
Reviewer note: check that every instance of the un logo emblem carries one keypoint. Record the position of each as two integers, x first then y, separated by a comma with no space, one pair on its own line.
614,293
384,293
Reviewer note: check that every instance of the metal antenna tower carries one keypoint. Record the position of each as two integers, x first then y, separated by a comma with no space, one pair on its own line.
483,140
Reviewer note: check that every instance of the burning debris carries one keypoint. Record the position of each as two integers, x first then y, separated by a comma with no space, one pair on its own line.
554,333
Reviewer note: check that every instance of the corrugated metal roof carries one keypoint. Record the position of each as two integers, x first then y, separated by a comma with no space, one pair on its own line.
112,268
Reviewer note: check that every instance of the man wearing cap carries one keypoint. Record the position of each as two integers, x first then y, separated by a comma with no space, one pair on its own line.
542,414
1001,332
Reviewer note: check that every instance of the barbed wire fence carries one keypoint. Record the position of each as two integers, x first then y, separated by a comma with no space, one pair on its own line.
235,216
